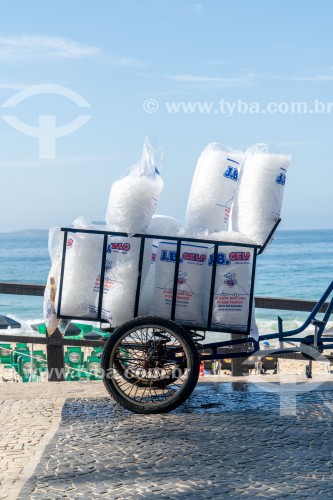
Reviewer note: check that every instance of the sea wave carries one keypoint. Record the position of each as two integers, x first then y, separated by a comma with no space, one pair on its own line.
26,325
271,326
25,329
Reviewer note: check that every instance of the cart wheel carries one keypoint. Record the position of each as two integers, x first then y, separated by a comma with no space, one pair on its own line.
150,365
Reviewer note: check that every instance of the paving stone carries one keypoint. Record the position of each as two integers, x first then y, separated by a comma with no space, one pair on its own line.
227,441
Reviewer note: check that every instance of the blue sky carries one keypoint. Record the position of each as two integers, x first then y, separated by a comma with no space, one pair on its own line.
118,54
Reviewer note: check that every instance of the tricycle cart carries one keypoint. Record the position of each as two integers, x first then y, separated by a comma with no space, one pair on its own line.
151,364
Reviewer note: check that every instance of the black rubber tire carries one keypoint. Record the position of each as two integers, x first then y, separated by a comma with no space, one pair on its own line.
193,367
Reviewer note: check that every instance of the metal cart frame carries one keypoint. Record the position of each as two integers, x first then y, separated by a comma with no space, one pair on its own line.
189,338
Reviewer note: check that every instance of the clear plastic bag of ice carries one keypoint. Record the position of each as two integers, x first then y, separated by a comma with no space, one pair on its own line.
213,187
131,206
160,225
50,306
133,198
258,199
82,271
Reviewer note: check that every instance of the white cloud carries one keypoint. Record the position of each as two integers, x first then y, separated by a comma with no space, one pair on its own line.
315,78
126,62
63,161
321,75
223,81
11,86
38,47
144,74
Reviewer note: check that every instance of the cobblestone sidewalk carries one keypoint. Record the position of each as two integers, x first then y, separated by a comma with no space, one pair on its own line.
26,428
227,441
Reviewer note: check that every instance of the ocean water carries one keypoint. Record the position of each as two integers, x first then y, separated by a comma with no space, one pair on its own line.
297,264
24,258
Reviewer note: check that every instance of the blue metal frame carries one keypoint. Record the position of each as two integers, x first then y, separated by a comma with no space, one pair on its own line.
287,336
281,335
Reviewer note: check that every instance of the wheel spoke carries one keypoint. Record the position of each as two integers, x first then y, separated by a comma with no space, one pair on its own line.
149,363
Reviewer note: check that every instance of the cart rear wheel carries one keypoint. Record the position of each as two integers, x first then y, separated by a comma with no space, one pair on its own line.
150,365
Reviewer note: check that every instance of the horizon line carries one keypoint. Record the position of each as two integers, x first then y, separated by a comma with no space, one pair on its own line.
280,230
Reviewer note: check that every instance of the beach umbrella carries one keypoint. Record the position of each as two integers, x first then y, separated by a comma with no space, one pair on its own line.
35,326
96,334
92,336
6,322
83,327
39,328
104,334
72,330
75,330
